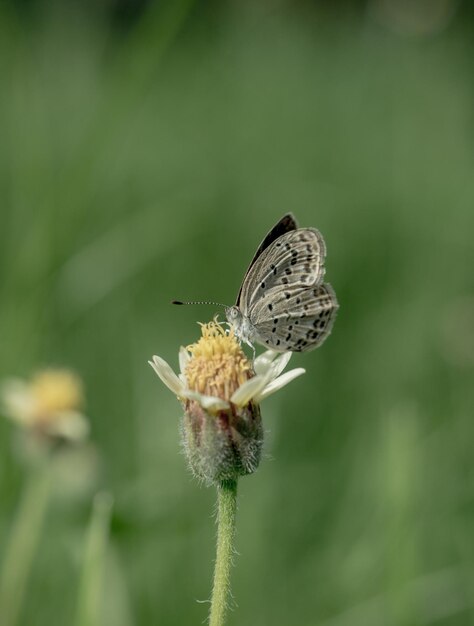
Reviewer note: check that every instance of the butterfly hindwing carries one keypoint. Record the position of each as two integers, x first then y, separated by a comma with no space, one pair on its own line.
299,319
294,260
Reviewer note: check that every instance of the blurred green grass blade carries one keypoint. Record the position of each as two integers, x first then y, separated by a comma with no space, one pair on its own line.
22,544
81,286
91,584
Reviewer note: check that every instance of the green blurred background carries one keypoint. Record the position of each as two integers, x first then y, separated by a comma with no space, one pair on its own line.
145,149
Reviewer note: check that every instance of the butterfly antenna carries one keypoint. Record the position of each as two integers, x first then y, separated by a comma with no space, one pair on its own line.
198,302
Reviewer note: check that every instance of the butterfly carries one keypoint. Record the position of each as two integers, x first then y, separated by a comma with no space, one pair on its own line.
283,303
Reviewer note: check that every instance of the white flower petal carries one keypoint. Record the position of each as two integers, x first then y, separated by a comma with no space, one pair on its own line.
278,383
279,364
210,403
248,390
69,424
184,357
16,400
263,361
167,376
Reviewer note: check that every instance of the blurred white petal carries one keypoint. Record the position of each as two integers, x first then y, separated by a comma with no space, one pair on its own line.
68,424
17,401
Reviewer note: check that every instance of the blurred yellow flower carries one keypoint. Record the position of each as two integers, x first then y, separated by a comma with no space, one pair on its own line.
48,405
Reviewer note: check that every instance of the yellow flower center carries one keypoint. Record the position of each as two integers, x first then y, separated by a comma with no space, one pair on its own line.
218,365
55,391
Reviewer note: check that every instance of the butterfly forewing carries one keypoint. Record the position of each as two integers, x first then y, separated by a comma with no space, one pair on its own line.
295,259
299,319
286,224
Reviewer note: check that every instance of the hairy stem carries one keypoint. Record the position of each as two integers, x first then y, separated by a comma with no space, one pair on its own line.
227,506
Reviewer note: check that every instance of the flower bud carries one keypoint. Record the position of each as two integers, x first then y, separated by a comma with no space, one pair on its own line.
224,445
221,392
223,440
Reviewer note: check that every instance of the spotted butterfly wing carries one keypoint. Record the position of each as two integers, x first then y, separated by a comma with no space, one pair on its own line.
285,225
283,298
298,323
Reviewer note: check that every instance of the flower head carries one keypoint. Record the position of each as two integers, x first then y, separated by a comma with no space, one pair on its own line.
220,390
48,406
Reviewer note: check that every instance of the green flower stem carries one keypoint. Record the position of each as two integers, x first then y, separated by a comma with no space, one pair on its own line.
227,507
23,542
91,585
